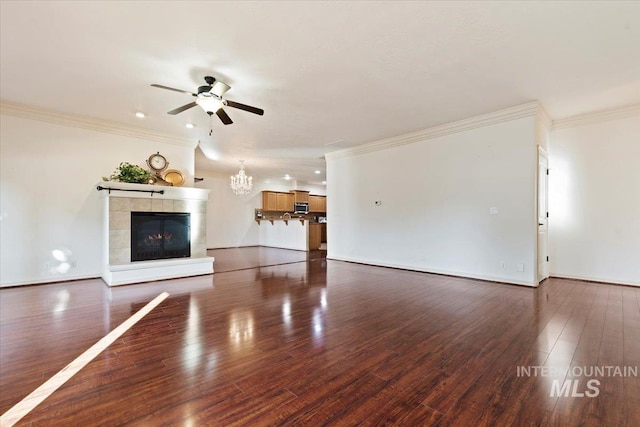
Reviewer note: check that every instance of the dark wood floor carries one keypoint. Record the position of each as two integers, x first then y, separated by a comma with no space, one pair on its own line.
321,342
231,259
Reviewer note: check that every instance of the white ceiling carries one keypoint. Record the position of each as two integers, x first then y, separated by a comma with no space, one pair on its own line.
329,75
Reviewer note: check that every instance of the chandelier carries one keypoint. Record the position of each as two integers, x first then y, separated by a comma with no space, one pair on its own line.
241,183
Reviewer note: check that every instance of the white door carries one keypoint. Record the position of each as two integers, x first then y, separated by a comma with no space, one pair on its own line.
543,215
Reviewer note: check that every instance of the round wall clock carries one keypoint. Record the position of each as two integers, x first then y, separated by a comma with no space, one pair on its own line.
157,162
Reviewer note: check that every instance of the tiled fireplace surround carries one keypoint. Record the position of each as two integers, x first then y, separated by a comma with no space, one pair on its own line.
117,207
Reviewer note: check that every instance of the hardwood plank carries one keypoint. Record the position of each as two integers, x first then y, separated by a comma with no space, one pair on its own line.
286,338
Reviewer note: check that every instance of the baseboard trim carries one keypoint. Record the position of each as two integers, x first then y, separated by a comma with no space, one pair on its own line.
48,281
259,246
439,272
594,280
233,247
288,249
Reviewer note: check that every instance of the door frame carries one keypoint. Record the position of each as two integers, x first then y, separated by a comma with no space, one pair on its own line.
542,153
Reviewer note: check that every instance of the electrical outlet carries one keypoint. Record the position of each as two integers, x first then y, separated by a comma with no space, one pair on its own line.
503,264
521,267
47,266
493,211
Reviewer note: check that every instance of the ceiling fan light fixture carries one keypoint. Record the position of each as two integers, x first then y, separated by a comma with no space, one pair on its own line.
210,99
209,104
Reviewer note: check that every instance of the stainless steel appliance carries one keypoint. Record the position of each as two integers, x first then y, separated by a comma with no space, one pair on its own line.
301,208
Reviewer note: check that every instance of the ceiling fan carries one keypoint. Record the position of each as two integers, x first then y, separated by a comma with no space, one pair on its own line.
209,97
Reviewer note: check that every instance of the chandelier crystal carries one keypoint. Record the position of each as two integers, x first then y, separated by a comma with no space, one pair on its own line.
241,183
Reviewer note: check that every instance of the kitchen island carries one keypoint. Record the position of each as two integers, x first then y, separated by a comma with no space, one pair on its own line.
298,234
292,220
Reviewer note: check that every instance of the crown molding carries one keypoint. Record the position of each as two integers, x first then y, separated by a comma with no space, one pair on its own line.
597,117
530,109
543,127
543,118
83,122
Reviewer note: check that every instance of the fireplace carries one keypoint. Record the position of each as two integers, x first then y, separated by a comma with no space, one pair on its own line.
160,235
133,220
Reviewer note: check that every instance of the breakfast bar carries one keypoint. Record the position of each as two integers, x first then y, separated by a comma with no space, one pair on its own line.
294,220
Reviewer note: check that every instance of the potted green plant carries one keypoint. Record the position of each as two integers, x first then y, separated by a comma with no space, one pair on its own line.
127,172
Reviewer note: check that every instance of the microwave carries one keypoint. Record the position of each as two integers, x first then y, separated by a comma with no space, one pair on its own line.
301,208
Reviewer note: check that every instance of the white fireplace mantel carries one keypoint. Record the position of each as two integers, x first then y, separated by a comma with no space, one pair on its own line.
170,192
119,200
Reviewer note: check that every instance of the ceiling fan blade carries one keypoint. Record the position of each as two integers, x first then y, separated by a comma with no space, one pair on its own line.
183,108
173,89
224,117
244,107
219,88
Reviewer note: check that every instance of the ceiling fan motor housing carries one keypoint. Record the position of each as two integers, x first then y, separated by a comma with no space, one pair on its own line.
204,89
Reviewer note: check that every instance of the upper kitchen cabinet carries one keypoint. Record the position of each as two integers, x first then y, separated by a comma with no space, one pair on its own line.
284,202
277,201
317,203
300,196
269,201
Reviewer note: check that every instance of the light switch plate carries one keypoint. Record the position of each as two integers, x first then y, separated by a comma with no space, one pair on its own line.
493,211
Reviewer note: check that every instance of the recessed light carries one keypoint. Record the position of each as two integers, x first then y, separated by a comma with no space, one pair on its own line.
189,125
324,182
287,177
317,172
140,115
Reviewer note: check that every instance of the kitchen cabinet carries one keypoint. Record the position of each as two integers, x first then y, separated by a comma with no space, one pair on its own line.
317,203
300,196
284,202
315,236
269,201
276,201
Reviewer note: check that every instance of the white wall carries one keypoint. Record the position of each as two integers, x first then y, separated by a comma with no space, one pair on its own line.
48,198
436,196
318,190
230,218
594,201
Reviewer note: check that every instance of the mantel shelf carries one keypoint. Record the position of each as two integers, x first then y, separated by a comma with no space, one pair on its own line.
126,189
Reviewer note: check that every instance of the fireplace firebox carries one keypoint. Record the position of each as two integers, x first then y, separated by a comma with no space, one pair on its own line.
160,235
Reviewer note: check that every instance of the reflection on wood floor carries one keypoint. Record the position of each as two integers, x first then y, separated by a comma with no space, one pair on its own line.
231,259
321,342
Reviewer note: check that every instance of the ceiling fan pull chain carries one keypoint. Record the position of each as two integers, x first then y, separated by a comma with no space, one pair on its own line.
210,125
